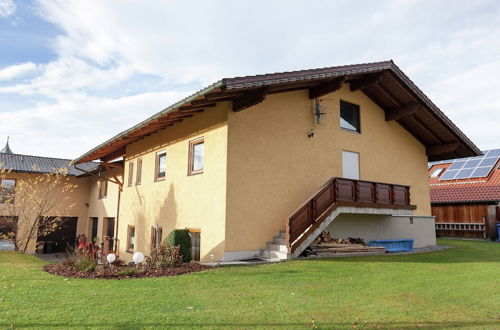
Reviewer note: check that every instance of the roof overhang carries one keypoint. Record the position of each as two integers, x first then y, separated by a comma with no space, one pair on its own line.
383,82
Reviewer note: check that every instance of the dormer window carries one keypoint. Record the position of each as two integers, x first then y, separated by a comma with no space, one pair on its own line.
437,172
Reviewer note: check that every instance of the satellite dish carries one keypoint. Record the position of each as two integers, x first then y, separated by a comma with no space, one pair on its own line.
110,258
138,257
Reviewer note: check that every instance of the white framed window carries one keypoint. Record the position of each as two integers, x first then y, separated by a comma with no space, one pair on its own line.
161,165
196,156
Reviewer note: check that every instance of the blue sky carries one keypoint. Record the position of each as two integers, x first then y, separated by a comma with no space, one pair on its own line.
74,73
25,35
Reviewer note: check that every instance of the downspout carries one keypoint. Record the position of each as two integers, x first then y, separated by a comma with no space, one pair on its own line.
118,218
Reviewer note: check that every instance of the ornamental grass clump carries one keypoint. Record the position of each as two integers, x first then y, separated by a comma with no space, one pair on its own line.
84,257
129,271
85,264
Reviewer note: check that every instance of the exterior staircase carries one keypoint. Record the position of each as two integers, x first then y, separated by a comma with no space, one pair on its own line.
336,196
275,250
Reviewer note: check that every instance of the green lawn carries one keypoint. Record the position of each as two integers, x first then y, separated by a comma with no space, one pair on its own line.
447,289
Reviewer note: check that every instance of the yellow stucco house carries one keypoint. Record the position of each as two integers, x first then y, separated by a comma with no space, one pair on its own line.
260,165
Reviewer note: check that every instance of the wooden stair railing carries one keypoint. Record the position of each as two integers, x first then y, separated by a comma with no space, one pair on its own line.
343,192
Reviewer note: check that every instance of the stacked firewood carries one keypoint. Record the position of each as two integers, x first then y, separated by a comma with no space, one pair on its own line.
325,243
325,237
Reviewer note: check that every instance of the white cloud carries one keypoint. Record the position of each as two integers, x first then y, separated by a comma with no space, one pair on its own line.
106,49
17,71
78,122
7,8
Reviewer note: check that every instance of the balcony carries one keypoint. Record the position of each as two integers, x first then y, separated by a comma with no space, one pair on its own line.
343,192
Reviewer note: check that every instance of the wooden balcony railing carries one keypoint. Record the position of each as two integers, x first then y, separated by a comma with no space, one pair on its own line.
343,192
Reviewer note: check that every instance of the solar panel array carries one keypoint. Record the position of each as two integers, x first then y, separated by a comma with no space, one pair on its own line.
473,167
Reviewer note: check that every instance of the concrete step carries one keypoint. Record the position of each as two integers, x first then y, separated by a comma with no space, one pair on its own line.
268,254
277,247
279,241
271,259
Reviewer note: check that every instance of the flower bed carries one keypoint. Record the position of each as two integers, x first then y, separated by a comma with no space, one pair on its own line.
164,260
122,272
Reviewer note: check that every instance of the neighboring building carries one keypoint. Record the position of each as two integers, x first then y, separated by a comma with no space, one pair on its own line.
94,199
465,195
238,162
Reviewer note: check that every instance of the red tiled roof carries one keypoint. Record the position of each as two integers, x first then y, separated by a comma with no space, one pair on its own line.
468,190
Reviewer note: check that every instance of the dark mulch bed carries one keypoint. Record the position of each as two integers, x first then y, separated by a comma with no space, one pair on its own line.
62,269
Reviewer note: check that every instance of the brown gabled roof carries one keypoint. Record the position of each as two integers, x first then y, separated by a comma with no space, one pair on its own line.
383,82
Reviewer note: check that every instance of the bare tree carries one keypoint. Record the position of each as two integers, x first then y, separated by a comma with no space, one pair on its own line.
38,201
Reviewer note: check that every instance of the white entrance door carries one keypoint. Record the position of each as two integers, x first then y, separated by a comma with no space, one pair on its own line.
350,165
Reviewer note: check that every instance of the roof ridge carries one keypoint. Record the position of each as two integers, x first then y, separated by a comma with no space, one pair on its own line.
388,62
46,157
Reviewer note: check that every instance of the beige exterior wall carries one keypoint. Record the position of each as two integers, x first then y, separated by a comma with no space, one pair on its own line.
273,167
372,227
180,201
78,197
102,208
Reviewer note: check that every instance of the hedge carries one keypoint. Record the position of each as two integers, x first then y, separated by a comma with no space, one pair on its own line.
181,238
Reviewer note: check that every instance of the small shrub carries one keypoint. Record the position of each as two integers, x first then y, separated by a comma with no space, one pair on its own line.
84,263
82,259
86,248
164,256
182,239
129,271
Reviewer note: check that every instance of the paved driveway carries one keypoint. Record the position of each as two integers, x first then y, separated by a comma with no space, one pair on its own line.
6,245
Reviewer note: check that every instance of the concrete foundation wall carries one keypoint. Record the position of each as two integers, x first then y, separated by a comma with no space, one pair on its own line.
372,227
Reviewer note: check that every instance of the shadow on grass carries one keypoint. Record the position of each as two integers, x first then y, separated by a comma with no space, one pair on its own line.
321,324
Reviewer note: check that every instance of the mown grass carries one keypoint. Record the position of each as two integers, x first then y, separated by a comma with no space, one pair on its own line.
457,288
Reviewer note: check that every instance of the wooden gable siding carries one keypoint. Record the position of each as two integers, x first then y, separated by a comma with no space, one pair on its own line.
460,213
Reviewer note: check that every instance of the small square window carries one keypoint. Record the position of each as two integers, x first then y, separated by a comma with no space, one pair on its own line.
349,117
161,165
130,238
196,156
7,187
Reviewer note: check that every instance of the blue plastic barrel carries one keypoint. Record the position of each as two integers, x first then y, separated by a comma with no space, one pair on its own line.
498,230
394,245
